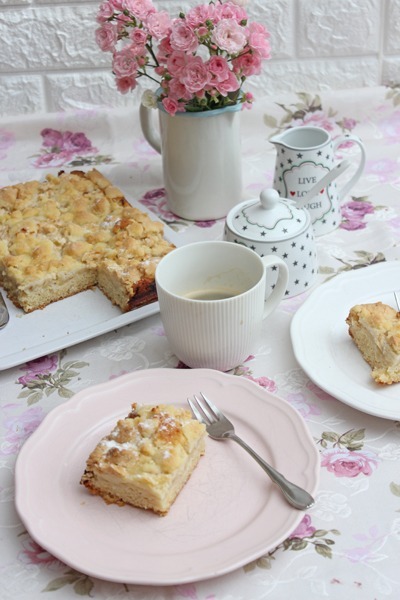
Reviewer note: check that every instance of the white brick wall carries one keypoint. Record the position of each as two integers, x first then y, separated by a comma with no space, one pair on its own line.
49,60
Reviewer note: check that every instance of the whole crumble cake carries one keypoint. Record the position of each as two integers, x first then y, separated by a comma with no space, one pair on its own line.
74,231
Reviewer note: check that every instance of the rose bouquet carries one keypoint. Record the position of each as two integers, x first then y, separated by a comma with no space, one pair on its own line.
199,60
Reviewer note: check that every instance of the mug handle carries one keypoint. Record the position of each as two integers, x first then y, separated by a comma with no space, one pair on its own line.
341,140
279,290
149,130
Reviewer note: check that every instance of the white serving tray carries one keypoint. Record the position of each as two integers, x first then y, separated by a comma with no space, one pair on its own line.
67,322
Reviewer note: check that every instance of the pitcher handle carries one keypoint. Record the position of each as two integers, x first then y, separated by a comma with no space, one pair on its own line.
351,138
279,290
149,129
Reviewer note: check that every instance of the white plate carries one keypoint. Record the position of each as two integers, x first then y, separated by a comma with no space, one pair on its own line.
228,514
67,322
324,349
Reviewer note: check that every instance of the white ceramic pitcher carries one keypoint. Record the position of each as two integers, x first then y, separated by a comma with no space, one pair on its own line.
201,158
304,157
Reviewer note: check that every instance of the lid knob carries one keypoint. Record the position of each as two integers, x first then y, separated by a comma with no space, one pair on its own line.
269,198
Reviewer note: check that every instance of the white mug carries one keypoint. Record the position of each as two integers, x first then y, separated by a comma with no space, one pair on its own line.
213,299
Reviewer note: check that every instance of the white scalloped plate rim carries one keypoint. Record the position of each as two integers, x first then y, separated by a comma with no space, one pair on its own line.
324,349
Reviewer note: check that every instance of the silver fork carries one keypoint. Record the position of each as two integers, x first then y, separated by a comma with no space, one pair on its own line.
220,428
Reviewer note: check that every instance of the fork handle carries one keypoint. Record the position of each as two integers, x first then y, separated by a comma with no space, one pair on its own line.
295,495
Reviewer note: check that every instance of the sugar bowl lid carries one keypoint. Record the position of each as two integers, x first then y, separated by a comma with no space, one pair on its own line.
269,218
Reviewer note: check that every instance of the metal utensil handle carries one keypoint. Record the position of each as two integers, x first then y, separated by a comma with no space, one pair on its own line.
295,495
4,314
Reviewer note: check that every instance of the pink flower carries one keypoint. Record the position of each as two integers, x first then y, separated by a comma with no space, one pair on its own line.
159,24
19,428
258,39
200,14
40,366
229,10
76,143
264,382
229,36
247,64
52,138
106,37
33,554
139,39
53,159
383,168
349,463
106,10
303,529
140,8
126,84
195,75
230,84
124,63
218,67
317,118
172,106
176,62
183,37
177,90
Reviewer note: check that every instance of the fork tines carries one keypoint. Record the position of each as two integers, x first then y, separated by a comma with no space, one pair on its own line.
203,409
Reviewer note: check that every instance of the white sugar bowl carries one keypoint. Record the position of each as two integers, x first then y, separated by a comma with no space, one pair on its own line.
274,225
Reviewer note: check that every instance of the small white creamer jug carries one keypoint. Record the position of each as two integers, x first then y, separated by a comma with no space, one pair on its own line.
305,155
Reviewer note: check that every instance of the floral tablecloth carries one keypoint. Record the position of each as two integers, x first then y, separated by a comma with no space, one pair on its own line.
348,544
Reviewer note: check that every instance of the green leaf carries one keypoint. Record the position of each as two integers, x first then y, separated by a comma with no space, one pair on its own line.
36,397
330,436
83,587
60,582
352,436
320,533
395,488
323,550
298,544
64,393
270,121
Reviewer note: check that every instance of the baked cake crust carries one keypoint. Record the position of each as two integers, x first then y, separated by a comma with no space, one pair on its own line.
375,329
72,232
147,458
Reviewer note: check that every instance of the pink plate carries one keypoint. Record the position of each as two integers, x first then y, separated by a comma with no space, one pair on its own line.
228,514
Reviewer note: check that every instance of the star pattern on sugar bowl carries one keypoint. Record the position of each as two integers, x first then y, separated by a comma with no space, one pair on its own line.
274,226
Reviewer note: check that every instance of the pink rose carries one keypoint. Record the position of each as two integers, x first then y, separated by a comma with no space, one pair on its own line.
126,84
200,14
139,39
229,10
19,428
349,463
195,75
140,8
159,24
124,63
172,106
247,64
183,37
106,37
177,90
53,159
33,554
76,143
318,119
106,11
176,63
51,138
303,529
258,39
218,67
40,366
229,36
230,84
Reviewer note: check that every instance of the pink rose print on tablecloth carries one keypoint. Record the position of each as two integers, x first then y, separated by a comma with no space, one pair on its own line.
33,554
156,201
67,148
390,127
383,169
349,463
354,213
304,528
19,427
35,368
7,140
